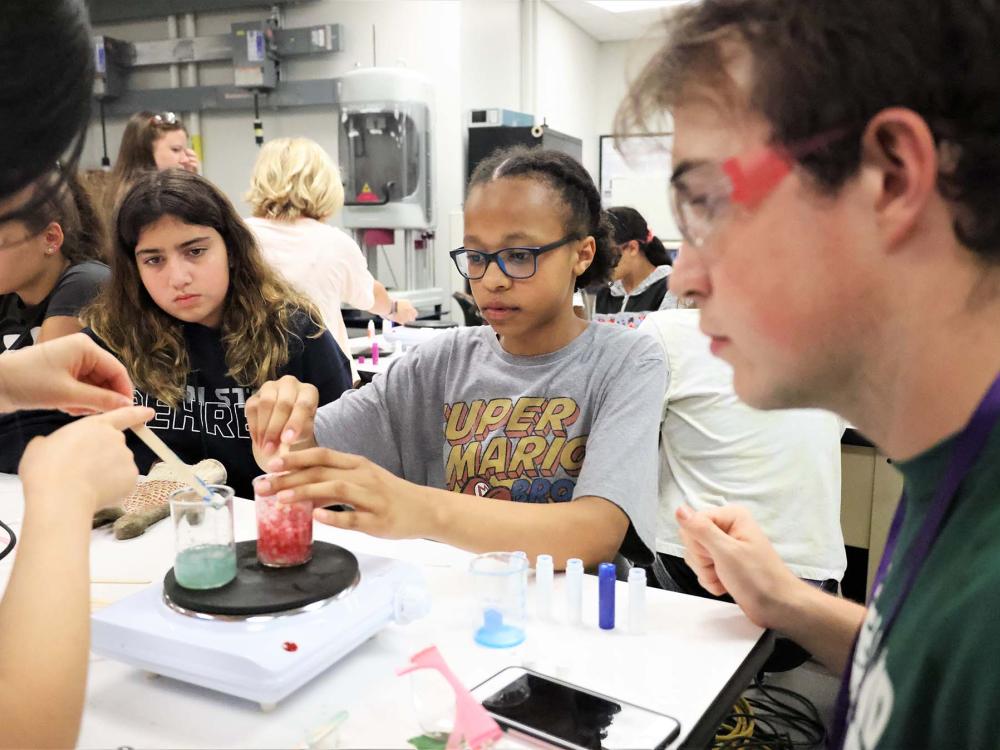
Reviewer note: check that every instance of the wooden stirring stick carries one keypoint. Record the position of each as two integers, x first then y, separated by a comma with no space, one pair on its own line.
184,472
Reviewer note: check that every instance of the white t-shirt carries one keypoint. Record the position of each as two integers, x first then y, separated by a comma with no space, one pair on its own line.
783,465
322,262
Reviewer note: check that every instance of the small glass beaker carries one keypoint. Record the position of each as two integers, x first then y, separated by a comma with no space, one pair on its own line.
500,582
205,550
284,530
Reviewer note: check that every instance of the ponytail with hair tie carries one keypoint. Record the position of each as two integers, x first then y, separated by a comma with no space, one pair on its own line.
629,225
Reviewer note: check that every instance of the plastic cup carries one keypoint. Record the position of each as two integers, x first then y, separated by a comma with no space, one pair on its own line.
500,582
205,550
284,530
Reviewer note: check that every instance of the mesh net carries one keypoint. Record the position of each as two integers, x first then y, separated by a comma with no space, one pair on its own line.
162,480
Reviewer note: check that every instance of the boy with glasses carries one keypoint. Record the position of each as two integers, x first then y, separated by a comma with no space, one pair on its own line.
837,176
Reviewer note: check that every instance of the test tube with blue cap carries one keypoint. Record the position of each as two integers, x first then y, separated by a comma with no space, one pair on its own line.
606,595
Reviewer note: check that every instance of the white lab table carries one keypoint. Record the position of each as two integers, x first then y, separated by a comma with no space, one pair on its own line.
693,659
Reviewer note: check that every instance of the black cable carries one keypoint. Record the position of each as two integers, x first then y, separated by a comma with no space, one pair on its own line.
776,713
11,543
258,126
105,161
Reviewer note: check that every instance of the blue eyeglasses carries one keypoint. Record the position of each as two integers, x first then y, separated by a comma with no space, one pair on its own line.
515,262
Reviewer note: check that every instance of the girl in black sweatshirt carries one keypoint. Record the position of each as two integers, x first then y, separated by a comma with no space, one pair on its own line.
201,321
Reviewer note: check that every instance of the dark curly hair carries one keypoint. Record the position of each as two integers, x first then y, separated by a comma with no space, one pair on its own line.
822,65
70,204
580,197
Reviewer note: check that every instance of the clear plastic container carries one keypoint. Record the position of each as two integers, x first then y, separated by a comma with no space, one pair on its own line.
284,530
500,583
205,550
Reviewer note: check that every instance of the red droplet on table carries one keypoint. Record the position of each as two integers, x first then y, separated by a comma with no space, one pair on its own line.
290,646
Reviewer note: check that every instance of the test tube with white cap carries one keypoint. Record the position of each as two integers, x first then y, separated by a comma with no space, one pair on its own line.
574,590
636,599
544,572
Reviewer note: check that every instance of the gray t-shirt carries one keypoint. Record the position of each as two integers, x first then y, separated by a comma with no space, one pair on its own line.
460,413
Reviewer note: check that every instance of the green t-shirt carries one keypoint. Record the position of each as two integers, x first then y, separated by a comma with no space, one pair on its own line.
936,682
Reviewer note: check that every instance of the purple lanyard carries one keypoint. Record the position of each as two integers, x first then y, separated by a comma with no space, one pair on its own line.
968,445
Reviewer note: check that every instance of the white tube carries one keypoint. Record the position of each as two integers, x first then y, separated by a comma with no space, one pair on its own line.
636,600
544,572
574,590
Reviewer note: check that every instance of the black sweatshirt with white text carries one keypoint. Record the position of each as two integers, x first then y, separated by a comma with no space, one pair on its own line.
210,422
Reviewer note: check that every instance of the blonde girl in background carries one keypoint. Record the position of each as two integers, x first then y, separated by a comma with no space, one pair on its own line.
294,191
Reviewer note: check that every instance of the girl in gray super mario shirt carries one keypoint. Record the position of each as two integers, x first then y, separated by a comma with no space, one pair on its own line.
530,409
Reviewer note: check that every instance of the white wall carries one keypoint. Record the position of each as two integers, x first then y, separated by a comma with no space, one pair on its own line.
567,70
490,49
618,63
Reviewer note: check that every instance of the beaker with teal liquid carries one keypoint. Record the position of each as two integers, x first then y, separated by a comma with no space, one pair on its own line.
203,537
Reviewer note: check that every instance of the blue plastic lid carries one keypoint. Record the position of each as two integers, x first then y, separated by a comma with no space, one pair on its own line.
495,634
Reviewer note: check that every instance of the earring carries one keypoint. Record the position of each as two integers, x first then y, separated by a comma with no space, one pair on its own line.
50,250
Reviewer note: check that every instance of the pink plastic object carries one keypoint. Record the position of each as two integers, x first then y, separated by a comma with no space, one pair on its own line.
472,723
373,237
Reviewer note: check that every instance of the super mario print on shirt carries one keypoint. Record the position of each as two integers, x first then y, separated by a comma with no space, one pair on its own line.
520,449
461,413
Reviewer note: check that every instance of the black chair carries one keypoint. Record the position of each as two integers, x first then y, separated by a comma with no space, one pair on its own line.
470,310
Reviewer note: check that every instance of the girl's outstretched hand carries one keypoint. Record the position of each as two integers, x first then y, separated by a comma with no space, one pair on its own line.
70,373
381,504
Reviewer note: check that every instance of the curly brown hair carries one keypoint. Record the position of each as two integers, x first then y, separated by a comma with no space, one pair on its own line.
262,312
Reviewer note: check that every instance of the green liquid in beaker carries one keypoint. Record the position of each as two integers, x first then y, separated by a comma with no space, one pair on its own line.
205,566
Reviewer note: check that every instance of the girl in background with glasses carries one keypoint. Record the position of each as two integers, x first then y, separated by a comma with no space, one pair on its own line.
532,408
152,140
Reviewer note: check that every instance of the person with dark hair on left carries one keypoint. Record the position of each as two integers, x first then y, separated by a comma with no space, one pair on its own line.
44,613
50,267
639,283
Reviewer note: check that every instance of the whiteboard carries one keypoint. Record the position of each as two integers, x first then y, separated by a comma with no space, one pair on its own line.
635,171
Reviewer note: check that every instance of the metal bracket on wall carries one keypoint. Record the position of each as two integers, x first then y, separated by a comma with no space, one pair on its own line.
289,42
255,70
198,98
115,11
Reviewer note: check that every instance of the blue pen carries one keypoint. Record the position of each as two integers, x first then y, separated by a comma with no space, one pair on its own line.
606,595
